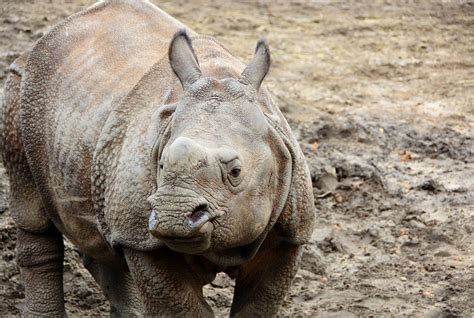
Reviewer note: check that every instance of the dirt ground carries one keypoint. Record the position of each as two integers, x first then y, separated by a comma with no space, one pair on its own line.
381,97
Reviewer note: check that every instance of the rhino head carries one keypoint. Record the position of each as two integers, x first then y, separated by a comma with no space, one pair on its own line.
218,173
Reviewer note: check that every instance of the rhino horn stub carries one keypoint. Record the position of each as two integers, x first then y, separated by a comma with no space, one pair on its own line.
185,155
183,60
258,68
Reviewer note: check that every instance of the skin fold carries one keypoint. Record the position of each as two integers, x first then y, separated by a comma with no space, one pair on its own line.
160,156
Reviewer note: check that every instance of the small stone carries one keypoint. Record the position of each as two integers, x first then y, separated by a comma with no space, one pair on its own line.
442,254
338,197
428,294
430,185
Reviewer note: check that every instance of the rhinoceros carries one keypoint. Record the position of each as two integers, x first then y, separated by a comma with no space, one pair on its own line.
160,156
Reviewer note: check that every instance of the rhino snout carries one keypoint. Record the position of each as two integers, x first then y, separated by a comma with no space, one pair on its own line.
196,222
183,227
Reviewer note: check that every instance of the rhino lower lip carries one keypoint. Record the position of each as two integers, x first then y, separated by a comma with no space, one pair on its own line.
194,239
190,245
201,234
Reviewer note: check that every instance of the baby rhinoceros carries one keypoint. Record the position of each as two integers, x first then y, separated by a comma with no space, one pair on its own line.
158,154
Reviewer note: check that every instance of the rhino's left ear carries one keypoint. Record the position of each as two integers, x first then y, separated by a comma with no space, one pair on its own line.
256,71
183,60
297,218
294,212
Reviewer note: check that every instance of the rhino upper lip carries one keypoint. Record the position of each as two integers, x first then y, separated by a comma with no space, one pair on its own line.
196,221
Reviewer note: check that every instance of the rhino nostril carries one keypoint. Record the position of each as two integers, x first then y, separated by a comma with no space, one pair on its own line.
199,217
200,209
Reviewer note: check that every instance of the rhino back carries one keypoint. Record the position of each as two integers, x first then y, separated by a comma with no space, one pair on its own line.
74,77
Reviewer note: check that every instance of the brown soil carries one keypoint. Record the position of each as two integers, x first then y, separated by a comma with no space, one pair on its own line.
382,99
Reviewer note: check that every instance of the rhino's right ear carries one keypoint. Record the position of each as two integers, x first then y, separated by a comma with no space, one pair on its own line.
183,60
256,71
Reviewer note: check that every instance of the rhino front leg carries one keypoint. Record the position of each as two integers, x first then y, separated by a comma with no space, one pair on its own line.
167,284
118,286
262,284
40,257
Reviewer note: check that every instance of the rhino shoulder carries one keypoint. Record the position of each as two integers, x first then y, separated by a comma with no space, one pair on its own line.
122,176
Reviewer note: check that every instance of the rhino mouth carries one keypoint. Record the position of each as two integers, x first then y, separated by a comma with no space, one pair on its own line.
194,239
193,244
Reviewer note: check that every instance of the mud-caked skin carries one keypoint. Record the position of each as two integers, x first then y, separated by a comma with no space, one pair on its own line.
161,157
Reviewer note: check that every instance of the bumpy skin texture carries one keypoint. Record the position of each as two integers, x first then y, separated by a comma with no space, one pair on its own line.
118,286
161,157
39,244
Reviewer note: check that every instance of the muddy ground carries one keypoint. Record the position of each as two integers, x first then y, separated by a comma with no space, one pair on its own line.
382,99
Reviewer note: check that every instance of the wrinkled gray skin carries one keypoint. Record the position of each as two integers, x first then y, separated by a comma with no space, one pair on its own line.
161,157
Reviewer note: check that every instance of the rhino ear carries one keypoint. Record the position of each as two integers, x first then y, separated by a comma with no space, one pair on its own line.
183,60
257,69
294,213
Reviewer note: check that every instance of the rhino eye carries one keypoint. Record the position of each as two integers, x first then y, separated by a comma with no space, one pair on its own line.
235,172
234,169
161,166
